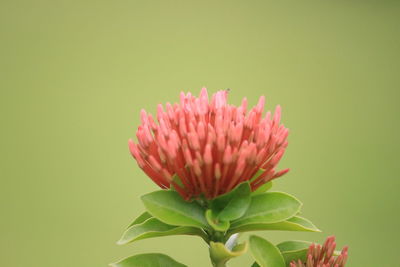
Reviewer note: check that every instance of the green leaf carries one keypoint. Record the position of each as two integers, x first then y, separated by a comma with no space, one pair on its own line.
293,224
155,228
269,208
170,208
255,264
215,223
148,260
294,250
220,254
265,253
262,189
232,205
144,216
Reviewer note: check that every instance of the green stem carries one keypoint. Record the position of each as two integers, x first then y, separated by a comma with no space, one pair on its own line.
216,259
221,253
219,264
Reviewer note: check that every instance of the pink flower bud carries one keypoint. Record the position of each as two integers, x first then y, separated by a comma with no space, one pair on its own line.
323,256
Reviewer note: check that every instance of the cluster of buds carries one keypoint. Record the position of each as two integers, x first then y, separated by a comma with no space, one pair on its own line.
323,256
206,148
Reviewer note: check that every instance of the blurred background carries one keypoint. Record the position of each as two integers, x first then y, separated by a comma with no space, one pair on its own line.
75,74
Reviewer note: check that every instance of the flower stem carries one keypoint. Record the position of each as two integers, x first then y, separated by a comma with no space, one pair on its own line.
215,259
221,253
219,264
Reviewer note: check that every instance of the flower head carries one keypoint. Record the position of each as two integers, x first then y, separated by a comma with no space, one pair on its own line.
323,256
206,148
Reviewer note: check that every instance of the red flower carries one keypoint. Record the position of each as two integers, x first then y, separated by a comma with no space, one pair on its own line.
210,146
322,256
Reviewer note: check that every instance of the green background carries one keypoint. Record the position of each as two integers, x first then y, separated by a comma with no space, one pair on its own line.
75,74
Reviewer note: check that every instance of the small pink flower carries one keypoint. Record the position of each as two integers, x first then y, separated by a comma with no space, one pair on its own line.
211,146
322,256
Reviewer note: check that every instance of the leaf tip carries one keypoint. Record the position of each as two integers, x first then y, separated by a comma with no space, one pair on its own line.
121,242
142,197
